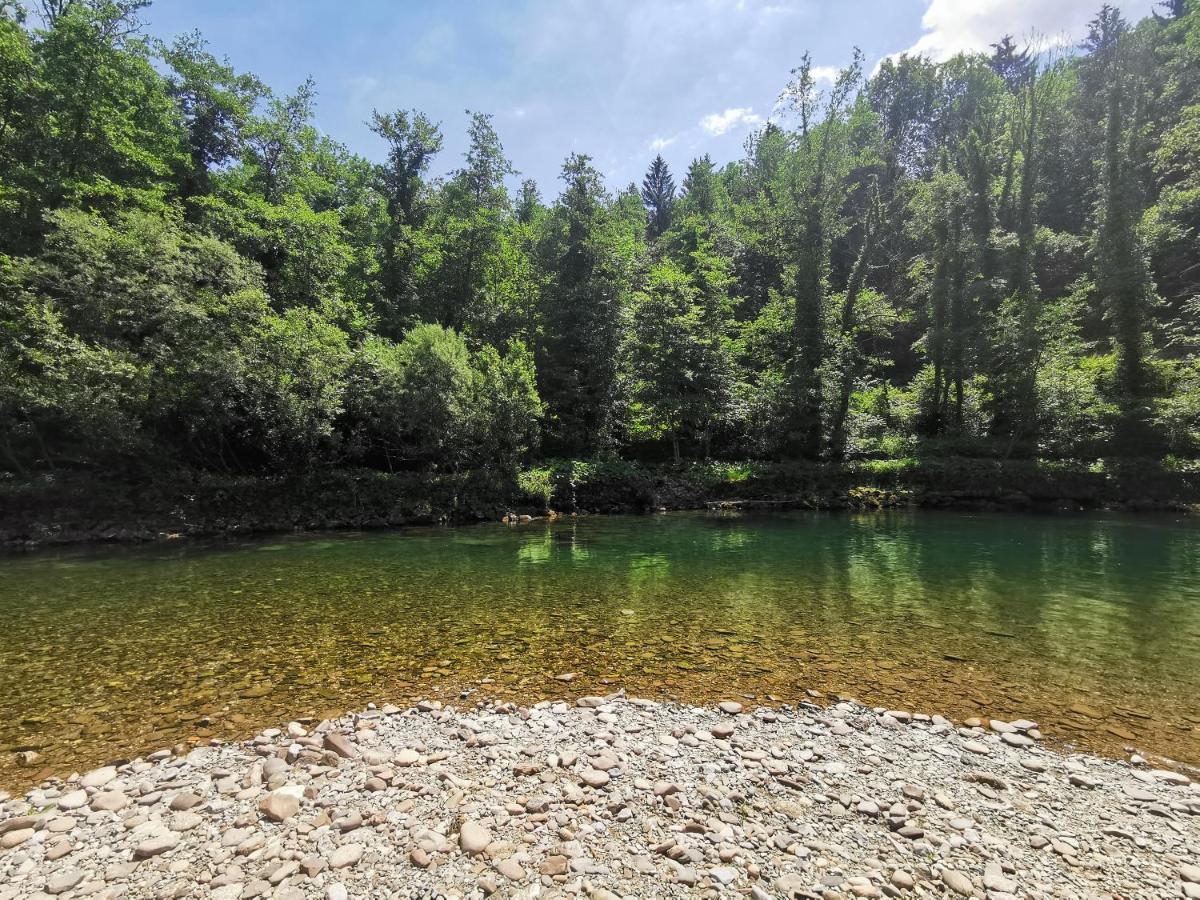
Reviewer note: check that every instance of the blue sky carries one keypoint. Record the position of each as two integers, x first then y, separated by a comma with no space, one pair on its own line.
618,79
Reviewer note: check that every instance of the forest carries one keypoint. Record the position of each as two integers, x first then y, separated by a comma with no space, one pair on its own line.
995,256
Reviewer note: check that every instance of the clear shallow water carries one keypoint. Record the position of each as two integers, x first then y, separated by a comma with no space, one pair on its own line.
1090,626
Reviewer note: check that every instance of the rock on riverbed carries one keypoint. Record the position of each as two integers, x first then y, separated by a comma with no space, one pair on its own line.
611,797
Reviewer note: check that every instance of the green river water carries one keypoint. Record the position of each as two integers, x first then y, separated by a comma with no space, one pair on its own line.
1088,625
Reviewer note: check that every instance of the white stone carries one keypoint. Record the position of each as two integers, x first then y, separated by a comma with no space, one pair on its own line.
473,838
98,777
347,855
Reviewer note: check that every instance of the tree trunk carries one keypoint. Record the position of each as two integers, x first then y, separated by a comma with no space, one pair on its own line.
858,275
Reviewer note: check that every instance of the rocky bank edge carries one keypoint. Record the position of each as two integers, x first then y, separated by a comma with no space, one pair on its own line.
611,797
83,506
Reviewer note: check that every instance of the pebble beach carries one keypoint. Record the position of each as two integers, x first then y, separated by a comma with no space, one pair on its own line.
603,797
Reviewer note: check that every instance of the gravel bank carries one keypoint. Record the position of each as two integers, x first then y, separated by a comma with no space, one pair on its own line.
609,797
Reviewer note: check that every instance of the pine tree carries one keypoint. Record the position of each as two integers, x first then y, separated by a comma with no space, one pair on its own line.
529,202
584,312
699,188
1009,63
658,193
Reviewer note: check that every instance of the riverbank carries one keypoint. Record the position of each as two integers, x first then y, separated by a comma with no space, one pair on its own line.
609,796
82,507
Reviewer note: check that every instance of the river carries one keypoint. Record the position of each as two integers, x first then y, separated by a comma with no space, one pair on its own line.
1089,625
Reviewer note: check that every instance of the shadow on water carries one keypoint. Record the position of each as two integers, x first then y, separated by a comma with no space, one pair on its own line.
1090,625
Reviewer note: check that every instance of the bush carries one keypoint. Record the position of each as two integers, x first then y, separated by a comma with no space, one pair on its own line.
428,400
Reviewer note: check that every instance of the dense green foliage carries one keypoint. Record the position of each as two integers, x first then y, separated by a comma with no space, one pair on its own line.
991,256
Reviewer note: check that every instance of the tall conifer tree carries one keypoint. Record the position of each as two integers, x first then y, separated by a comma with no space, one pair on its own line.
658,193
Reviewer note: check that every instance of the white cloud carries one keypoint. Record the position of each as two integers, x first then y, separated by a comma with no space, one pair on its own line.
956,26
661,143
827,74
719,123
